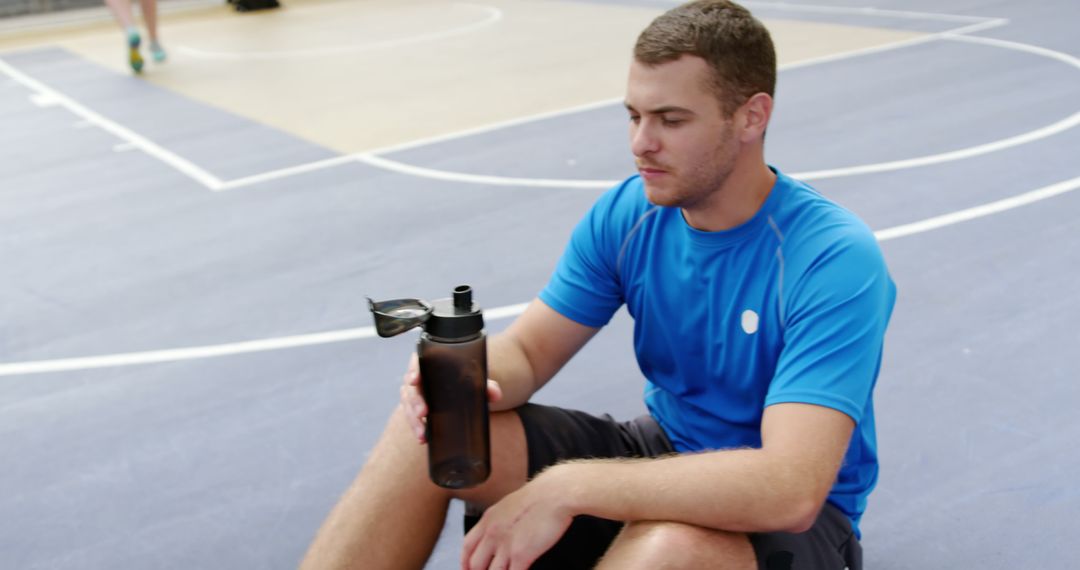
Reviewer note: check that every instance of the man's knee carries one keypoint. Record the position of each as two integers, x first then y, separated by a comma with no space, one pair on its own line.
676,545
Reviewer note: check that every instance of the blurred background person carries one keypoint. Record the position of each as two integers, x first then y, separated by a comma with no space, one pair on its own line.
121,10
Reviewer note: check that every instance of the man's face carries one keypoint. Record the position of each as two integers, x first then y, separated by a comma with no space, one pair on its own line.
683,144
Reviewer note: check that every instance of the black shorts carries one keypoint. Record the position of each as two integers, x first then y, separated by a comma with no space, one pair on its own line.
556,434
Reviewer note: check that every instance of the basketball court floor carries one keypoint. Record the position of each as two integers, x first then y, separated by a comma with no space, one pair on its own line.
188,373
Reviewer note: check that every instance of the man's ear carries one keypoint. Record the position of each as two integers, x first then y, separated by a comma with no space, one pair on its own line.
754,117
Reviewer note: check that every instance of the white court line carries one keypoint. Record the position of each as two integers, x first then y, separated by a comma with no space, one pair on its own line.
43,101
979,211
375,158
863,11
142,143
419,171
319,165
213,183
969,152
1037,50
496,126
493,16
950,156
197,352
979,27
1049,130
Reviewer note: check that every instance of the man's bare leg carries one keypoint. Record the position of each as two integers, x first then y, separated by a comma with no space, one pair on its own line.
674,546
392,514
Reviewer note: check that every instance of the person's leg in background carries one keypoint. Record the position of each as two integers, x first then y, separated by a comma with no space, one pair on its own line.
149,14
121,10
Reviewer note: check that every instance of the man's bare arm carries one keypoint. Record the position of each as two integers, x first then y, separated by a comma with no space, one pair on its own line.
780,487
531,351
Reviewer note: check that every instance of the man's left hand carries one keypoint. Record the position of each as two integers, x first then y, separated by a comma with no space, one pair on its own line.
521,527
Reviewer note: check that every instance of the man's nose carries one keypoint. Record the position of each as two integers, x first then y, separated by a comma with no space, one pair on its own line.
643,139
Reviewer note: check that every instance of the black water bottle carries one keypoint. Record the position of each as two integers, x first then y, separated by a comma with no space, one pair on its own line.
453,375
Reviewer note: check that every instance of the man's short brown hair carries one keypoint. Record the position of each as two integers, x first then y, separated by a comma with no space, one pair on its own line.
736,46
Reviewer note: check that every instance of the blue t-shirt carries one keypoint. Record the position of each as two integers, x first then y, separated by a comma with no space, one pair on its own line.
790,306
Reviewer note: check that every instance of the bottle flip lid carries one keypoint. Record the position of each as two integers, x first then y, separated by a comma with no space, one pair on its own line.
450,318
396,316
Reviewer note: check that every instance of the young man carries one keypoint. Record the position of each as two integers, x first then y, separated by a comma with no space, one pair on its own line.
760,309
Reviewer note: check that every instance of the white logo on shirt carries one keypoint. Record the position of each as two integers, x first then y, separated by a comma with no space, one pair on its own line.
749,321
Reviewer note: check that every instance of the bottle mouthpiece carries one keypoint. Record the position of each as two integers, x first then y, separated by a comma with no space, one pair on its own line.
463,297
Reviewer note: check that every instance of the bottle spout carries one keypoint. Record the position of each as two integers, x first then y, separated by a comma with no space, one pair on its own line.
463,297
396,316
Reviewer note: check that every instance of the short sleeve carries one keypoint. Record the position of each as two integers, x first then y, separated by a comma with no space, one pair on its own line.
836,314
585,286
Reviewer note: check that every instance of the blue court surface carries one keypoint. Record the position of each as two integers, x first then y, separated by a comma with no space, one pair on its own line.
188,374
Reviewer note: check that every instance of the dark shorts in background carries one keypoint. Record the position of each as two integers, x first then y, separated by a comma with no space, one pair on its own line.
556,434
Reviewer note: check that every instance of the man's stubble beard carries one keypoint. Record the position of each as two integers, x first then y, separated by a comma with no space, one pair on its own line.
692,188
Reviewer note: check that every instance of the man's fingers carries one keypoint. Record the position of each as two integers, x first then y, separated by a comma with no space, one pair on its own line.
500,562
482,556
415,400
468,547
415,411
494,391
412,373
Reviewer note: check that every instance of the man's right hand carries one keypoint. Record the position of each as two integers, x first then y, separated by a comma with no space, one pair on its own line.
412,398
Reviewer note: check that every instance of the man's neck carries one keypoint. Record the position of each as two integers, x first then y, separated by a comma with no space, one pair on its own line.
740,197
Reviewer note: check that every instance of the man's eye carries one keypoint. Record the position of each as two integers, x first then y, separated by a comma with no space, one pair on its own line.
635,119
671,122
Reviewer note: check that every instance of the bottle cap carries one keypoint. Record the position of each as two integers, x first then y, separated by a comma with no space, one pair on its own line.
457,317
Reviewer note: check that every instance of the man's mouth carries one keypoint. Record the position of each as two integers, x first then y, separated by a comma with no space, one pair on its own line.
651,172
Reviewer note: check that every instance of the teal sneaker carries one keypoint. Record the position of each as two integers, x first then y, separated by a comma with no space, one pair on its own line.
158,52
134,57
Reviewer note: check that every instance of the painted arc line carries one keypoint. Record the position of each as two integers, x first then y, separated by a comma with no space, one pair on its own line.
618,100
1037,50
517,181
493,16
142,143
956,32
403,168
864,11
517,121
950,156
445,175
198,352
978,211
215,184
1031,136
977,150
326,163
952,35
285,172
